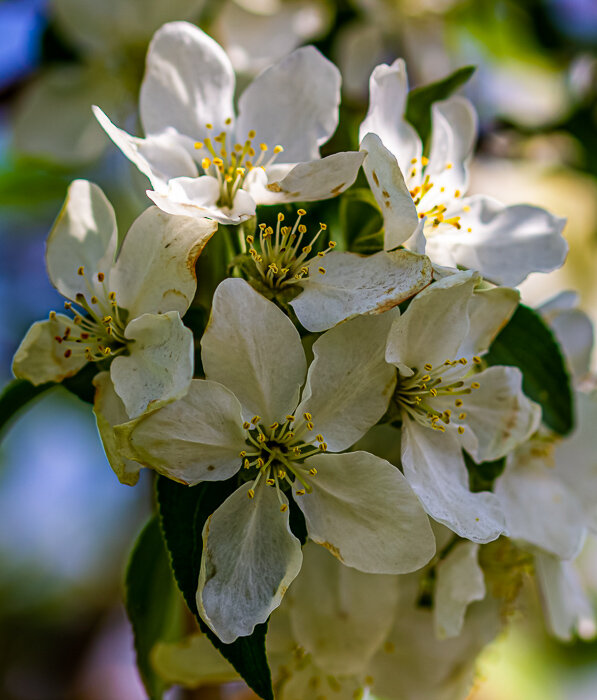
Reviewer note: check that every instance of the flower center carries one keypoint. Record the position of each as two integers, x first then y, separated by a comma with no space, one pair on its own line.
280,257
97,327
433,202
230,162
422,396
279,450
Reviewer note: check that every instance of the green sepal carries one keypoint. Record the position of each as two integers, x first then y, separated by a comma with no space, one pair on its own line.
482,476
527,342
183,512
20,394
153,602
419,101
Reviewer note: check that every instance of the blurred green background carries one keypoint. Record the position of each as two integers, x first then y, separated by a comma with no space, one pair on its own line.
66,524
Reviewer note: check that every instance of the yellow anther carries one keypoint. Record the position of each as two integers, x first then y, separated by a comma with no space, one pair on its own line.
425,160
460,429
251,493
198,144
250,240
242,453
228,121
466,208
252,134
218,162
319,437
112,296
263,147
307,416
321,270
313,471
260,462
449,166
278,149
463,361
475,385
240,172
300,492
280,216
457,193
458,403
107,351
94,300
433,391
413,160
477,360
290,418
81,270
52,315
209,126
323,447
301,212
283,507
425,377
323,227
309,426
428,367
281,473
205,163
261,437
462,415
100,276
332,244
270,481
255,420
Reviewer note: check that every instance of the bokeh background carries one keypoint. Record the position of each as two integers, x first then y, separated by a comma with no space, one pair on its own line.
66,524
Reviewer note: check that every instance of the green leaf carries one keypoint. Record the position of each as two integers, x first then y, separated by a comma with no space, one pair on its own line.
183,512
21,394
482,476
152,602
527,343
361,221
418,105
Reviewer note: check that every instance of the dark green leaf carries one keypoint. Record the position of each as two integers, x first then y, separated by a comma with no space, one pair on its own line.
482,476
152,602
528,343
418,105
20,393
183,512
361,221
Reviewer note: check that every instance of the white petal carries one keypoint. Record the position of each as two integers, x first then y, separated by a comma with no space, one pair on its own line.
159,157
253,348
159,367
355,284
250,557
539,508
454,128
433,327
434,466
575,333
192,662
254,41
390,533
388,91
338,614
459,582
390,191
84,234
349,383
188,83
505,244
40,357
308,182
109,411
498,414
293,104
155,270
567,607
198,198
197,438
489,310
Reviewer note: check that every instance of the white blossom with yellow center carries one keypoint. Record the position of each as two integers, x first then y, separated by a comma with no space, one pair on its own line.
125,309
447,404
246,418
423,200
335,285
202,161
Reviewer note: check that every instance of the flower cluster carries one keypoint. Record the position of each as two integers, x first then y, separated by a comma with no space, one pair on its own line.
351,401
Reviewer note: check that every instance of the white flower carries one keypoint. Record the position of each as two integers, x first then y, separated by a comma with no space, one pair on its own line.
335,285
247,413
202,161
125,308
504,244
447,406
